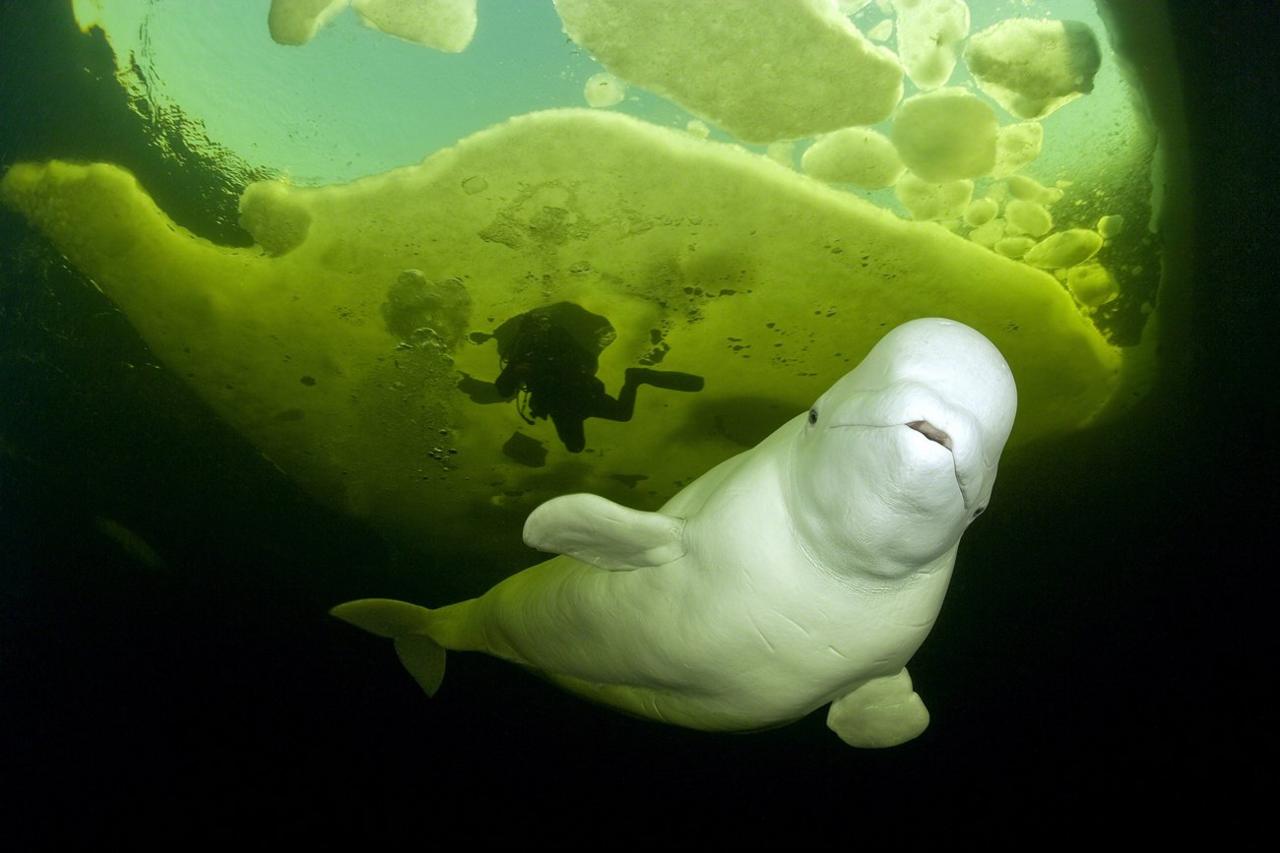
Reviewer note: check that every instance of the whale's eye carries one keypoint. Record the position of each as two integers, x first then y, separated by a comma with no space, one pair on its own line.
813,416
979,511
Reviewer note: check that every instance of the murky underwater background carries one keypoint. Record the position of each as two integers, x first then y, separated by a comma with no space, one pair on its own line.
1092,659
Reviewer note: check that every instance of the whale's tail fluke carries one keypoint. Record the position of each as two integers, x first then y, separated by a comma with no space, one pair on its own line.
409,626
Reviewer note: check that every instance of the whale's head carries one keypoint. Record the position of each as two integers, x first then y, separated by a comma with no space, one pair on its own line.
895,460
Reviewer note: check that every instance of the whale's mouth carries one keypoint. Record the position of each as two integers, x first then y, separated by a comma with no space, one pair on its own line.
961,464
932,433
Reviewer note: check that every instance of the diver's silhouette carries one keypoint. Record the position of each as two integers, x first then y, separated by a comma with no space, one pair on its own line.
551,354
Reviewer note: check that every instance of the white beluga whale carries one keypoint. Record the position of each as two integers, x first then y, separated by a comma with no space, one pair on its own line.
805,571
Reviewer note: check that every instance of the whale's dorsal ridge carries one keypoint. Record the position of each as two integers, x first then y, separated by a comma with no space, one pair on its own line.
605,534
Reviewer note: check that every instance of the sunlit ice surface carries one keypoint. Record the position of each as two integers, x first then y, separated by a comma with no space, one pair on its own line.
421,200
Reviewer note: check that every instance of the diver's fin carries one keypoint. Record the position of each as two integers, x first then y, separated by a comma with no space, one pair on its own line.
671,380
600,532
881,712
405,623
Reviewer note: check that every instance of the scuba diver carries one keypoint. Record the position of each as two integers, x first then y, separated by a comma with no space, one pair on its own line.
549,358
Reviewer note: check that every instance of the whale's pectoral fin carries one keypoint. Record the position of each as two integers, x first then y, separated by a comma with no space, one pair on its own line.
408,625
600,532
882,712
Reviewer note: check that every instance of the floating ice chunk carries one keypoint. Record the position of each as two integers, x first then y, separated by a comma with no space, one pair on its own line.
297,351
1110,226
296,21
1016,146
784,69
1092,284
1032,67
1064,249
698,128
925,200
929,37
946,135
882,31
981,211
1027,217
857,155
277,223
782,153
1028,189
988,233
1014,247
446,25
604,90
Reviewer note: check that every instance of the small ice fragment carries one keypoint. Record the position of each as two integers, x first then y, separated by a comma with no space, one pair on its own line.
1014,247
1027,217
856,155
698,128
946,135
981,211
1027,189
1016,146
1110,226
925,200
1064,249
1032,67
988,233
297,21
782,153
929,37
604,90
446,25
1092,284
882,31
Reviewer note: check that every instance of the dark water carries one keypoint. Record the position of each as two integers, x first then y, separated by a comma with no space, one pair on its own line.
1103,653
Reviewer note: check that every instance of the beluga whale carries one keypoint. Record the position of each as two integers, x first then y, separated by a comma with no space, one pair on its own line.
803,572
